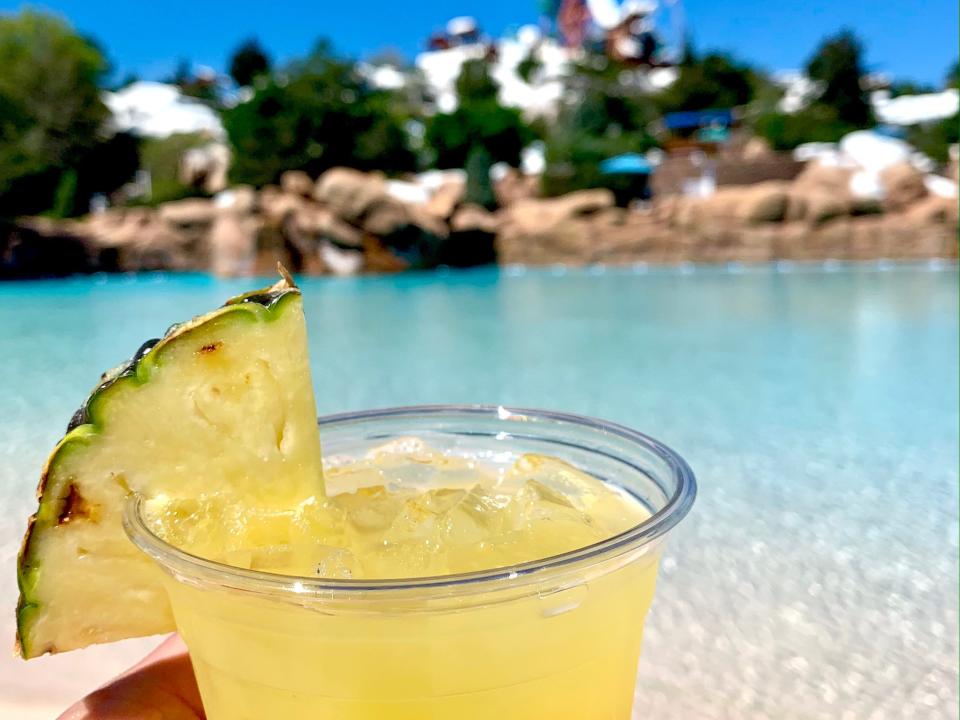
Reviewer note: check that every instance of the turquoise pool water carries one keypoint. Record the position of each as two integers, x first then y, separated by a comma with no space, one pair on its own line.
817,575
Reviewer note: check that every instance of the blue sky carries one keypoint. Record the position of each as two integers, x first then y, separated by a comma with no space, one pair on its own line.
906,38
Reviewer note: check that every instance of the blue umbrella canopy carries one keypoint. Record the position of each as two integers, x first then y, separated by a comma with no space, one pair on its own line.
626,164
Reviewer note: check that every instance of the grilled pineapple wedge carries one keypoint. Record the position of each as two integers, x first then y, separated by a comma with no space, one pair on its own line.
220,406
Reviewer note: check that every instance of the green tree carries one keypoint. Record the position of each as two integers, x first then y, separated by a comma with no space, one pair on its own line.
314,115
934,139
65,196
479,121
838,65
479,187
713,81
815,123
52,115
249,60
529,67
607,118
193,85
909,87
600,102
161,157
474,83
499,129
181,73
841,107
953,75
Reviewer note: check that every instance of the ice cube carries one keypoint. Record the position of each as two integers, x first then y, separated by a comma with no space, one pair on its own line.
427,516
561,483
414,521
411,463
370,509
441,501
280,558
406,559
490,552
336,563
264,526
353,476
303,558
318,519
581,490
411,448
202,526
552,522
487,508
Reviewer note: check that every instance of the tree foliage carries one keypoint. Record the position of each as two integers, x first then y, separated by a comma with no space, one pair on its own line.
161,157
529,68
952,79
191,84
934,139
316,114
607,118
499,129
815,123
475,84
909,87
842,106
479,186
248,62
479,121
838,65
52,114
713,81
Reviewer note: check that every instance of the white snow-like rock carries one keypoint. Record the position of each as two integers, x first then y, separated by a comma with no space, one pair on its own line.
542,96
441,68
864,149
662,77
341,261
421,187
915,109
866,185
206,165
874,152
383,77
605,13
533,159
798,90
153,109
539,98
499,171
408,192
868,154
433,179
824,153
940,186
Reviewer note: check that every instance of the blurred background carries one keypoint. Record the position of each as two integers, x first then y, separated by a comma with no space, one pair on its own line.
730,225
185,138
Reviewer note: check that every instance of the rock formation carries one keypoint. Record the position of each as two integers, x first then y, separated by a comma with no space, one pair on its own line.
352,222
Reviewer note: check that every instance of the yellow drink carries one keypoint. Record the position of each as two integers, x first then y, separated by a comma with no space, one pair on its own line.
556,638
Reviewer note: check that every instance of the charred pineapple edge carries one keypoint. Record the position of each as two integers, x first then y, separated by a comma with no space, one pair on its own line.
84,426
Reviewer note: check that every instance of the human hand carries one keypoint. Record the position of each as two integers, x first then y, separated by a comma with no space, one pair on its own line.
160,687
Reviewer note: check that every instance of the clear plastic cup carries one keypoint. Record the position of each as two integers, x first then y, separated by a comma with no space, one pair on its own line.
556,638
